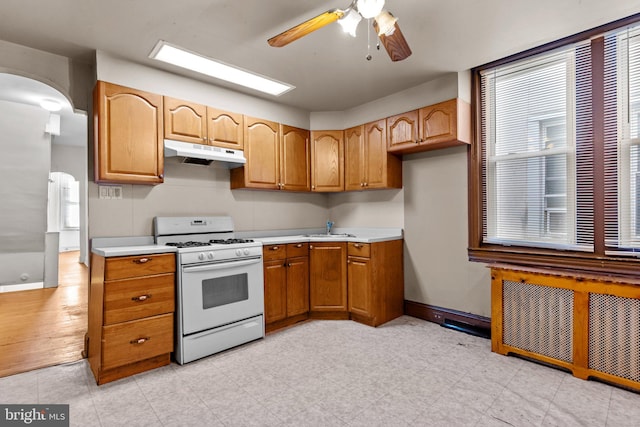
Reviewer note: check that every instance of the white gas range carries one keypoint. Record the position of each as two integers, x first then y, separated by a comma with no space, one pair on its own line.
220,294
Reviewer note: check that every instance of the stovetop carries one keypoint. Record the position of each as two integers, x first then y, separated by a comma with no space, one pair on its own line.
196,244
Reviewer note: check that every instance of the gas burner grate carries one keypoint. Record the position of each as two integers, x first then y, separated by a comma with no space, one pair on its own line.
187,244
230,241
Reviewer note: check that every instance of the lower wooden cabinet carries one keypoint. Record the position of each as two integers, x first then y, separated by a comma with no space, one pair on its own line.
328,280
286,284
375,281
333,280
131,314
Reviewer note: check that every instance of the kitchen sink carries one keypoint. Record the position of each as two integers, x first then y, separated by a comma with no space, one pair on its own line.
334,236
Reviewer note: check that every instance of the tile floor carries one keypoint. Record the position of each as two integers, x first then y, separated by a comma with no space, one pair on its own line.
337,373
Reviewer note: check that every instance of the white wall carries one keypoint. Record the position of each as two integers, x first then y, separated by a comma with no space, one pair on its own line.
436,268
24,174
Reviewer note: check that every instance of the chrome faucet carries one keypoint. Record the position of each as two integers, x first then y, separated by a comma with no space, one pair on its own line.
329,226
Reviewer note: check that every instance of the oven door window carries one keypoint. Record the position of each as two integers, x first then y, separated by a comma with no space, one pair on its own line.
224,290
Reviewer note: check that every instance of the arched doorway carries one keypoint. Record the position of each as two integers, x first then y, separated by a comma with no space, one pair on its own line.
37,137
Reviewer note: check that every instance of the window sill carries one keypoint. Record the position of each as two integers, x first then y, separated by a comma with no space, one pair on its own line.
565,260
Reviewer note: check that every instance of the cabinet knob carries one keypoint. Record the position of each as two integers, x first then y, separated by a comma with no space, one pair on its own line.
299,245
313,187
274,248
141,340
357,245
142,260
362,184
289,265
310,246
204,139
141,298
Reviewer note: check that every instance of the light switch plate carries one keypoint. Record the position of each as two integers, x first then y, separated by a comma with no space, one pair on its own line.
110,191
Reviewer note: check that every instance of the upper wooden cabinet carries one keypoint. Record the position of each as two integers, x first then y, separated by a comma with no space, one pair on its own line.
368,165
441,125
295,159
185,121
199,124
128,135
327,160
225,129
261,142
277,157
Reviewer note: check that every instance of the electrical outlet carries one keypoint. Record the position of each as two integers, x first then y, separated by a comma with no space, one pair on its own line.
110,191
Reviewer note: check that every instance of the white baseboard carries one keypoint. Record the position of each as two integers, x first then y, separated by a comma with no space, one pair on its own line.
21,287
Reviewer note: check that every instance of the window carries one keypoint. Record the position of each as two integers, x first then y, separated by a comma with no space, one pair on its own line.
555,171
623,64
528,120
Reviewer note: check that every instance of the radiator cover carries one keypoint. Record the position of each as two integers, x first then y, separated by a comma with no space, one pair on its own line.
587,324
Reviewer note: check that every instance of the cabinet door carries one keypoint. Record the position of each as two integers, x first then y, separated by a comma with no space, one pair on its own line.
275,290
225,129
354,158
129,137
327,160
402,131
297,286
438,122
328,277
375,155
359,280
295,159
185,121
261,142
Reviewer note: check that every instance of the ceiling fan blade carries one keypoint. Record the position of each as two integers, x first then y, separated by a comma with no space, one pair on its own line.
395,44
301,30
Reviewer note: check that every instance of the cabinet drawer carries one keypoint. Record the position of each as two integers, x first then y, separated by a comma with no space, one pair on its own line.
359,249
271,252
297,249
129,342
139,265
132,299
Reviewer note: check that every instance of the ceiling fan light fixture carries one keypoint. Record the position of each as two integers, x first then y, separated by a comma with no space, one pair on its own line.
369,8
349,22
386,23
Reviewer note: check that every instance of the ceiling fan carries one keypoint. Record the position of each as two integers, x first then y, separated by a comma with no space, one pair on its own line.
384,23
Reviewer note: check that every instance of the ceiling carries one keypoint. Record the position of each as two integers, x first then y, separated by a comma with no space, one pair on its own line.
327,67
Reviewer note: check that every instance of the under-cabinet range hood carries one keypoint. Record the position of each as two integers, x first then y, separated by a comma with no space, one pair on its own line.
204,154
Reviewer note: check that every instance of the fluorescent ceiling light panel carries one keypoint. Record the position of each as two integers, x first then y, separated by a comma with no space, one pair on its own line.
165,52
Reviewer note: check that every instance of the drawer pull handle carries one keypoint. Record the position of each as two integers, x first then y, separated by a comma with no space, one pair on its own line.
141,340
142,260
299,245
357,245
141,298
274,248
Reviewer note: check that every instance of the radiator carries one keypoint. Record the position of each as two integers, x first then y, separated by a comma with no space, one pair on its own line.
589,325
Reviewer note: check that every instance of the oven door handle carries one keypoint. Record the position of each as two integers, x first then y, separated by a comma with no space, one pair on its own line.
221,265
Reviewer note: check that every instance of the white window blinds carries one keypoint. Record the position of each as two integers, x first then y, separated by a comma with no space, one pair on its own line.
537,184
622,141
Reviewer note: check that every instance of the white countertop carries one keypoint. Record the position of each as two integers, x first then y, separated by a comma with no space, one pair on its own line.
132,250
144,245
361,235
127,246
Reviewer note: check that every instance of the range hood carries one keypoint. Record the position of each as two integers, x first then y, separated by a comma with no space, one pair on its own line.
204,154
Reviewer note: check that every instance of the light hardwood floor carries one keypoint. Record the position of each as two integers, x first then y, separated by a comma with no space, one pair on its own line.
45,327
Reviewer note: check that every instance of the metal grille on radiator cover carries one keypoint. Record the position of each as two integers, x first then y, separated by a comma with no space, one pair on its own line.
614,335
538,319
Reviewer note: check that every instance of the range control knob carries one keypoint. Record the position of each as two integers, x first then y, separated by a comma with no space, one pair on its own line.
246,251
201,256
239,252
210,255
